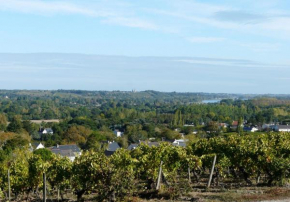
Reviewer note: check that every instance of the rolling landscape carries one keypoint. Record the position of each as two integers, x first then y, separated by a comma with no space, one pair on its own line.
143,101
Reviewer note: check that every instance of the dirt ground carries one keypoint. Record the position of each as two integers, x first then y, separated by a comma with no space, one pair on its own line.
244,194
248,194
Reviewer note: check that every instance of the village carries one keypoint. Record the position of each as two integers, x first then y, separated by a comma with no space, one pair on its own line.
109,147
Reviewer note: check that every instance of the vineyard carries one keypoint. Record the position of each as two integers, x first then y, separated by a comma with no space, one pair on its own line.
149,172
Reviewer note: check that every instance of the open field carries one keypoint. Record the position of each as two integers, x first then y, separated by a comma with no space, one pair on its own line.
45,121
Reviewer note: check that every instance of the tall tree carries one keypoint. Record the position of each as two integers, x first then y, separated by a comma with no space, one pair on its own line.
15,125
3,122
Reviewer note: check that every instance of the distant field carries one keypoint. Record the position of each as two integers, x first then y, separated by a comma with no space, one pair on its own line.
45,121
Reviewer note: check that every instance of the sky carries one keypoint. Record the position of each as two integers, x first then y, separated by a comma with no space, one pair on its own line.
239,46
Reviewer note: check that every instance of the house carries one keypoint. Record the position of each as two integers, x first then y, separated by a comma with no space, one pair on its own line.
282,128
268,127
180,143
70,151
132,146
188,125
235,125
223,125
118,133
182,135
250,129
195,132
46,131
150,144
111,147
36,145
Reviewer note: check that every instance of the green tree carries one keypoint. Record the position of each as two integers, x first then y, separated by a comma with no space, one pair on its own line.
170,134
15,125
77,134
44,154
93,141
240,126
16,142
3,122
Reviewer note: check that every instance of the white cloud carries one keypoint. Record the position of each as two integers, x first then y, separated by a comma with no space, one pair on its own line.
278,24
246,64
42,7
268,21
129,22
204,39
177,17
105,11
261,47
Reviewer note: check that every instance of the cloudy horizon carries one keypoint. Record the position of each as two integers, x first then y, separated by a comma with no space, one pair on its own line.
51,71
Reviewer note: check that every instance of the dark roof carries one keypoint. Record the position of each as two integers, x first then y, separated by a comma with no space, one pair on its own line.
132,146
283,126
180,144
248,128
150,144
109,153
73,148
68,153
113,146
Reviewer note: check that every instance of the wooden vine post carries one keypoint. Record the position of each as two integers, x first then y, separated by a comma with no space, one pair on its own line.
9,187
212,170
58,194
189,175
44,188
159,177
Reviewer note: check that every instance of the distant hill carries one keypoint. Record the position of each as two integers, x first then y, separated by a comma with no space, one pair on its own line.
148,95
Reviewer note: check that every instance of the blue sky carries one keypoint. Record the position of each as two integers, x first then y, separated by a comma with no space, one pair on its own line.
253,31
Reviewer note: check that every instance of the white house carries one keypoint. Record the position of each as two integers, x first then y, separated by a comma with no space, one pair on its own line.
47,131
179,142
251,129
188,125
70,151
118,133
36,145
282,128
